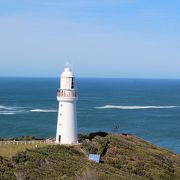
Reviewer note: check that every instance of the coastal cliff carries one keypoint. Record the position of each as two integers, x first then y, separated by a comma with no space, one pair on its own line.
122,157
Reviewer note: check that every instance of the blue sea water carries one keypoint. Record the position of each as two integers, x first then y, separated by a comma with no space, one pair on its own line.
146,108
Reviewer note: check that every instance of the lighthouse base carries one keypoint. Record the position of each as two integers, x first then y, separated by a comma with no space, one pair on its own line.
58,141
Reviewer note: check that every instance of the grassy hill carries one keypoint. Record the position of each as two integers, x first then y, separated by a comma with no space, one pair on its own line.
122,157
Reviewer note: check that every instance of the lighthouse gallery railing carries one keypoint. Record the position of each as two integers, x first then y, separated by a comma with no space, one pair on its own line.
66,93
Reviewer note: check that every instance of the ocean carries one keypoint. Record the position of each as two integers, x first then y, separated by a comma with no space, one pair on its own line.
146,108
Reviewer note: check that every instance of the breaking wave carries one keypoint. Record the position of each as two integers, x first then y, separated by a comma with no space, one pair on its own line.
7,110
43,110
135,107
11,110
7,113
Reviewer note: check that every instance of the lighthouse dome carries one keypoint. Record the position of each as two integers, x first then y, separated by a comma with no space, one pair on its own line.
67,73
67,79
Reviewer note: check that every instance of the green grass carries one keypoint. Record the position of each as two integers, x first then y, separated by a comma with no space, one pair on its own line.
9,150
122,157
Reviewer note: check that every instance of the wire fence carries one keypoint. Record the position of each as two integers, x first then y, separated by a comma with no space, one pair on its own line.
48,142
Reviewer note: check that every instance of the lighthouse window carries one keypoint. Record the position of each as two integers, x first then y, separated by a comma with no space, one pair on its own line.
72,84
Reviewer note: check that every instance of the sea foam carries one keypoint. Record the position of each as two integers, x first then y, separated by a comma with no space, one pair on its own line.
7,110
135,107
43,110
6,107
11,107
7,113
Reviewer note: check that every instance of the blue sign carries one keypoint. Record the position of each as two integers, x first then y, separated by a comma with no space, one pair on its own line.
94,157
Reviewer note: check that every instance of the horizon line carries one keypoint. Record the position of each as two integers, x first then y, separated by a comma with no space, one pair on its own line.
80,77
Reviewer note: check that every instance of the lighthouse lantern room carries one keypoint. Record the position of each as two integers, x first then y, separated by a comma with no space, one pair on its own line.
67,118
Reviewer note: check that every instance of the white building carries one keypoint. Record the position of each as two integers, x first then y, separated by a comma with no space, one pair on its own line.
67,118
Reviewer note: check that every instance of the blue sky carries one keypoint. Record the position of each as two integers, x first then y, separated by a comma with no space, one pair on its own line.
102,38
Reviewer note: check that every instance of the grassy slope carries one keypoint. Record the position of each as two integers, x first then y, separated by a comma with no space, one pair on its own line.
122,157
9,150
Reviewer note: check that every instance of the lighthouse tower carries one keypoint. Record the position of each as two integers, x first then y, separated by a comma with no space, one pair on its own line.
67,118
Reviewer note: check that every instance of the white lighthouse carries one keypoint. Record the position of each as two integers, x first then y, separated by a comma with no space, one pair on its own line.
67,118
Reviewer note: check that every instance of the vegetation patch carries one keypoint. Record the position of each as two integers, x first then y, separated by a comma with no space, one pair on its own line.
122,157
